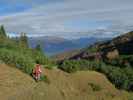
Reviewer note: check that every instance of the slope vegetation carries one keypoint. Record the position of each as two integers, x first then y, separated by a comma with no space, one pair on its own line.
83,85
114,58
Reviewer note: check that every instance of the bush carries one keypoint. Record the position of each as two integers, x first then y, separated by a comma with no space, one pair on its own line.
122,77
95,87
92,49
40,58
69,66
45,79
75,65
21,61
22,58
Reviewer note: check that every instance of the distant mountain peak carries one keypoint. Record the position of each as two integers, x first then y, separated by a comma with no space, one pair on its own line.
55,45
121,45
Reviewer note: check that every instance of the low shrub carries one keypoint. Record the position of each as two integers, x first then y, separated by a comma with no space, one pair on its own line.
40,58
70,66
21,61
95,87
75,65
45,79
122,77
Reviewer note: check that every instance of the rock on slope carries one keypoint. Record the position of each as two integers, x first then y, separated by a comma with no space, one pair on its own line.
15,85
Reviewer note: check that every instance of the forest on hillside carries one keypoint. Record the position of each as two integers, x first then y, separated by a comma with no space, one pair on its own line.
16,52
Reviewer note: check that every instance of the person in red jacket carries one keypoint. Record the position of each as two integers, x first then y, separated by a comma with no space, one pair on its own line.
37,72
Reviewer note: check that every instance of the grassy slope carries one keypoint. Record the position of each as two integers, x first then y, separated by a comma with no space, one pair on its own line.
15,85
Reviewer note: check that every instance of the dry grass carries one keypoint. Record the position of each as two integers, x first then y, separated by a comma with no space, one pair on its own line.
15,85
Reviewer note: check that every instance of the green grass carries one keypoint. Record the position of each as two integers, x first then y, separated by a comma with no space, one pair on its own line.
95,87
45,79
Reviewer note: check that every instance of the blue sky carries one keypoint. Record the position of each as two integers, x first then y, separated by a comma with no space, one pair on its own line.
67,18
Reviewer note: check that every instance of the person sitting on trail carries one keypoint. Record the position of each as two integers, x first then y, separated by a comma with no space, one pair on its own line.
37,72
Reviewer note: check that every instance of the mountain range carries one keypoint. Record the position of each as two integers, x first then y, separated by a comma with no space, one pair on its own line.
53,45
119,48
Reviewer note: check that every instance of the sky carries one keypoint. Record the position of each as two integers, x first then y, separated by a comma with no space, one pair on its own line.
67,18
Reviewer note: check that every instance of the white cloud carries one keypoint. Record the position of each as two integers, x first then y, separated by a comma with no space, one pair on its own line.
50,19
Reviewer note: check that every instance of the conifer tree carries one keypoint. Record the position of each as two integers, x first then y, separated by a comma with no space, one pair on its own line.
2,34
2,30
38,48
23,41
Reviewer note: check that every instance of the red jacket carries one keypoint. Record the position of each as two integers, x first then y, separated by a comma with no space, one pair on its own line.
37,69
